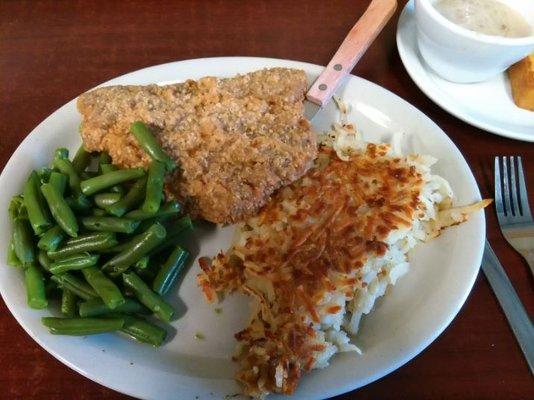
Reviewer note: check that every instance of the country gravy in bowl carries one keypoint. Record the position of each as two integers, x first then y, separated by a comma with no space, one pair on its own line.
490,17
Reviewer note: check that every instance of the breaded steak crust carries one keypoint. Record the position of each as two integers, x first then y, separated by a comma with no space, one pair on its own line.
236,140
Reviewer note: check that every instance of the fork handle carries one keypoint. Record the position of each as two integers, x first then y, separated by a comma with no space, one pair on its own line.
351,50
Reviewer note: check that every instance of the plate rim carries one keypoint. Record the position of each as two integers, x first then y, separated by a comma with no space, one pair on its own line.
406,22
328,392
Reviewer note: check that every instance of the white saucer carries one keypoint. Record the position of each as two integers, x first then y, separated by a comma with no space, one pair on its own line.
486,105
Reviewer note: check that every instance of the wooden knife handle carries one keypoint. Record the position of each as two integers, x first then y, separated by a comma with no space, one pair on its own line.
351,50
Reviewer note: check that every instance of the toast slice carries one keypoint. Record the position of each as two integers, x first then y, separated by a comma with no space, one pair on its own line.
522,81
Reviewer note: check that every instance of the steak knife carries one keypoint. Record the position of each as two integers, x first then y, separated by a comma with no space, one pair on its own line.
358,40
511,304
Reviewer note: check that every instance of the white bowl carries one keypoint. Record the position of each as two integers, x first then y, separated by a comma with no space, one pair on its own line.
461,55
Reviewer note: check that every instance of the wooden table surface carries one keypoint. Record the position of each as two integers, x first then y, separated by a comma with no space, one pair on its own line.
51,51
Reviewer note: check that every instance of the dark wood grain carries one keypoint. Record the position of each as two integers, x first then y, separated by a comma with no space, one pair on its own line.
50,51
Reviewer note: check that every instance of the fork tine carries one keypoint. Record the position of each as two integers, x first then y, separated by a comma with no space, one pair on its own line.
498,190
523,196
508,207
513,187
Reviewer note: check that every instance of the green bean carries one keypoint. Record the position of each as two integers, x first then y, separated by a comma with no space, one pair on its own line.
60,210
68,303
106,289
105,168
168,209
62,153
59,181
81,326
175,233
51,239
170,270
12,259
104,200
23,241
154,187
96,307
148,142
110,224
81,160
138,247
35,205
75,262
89,237
44,260
35,287
147,223
151,300
116,248
98,212
142,330
65,167
44,174
16,208
166,212
133,198
93,242
81,203
119,247
142,263
75,285
101,182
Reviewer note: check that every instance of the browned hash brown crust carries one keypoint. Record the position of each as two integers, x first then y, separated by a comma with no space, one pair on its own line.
308,241
236,140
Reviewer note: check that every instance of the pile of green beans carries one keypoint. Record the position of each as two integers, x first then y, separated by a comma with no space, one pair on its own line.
105,241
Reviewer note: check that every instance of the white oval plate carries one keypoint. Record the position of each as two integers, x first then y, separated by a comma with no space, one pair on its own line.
407,320
487,105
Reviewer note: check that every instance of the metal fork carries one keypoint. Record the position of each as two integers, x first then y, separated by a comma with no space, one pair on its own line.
513,210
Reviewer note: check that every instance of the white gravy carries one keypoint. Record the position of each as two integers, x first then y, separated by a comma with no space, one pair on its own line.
490,17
